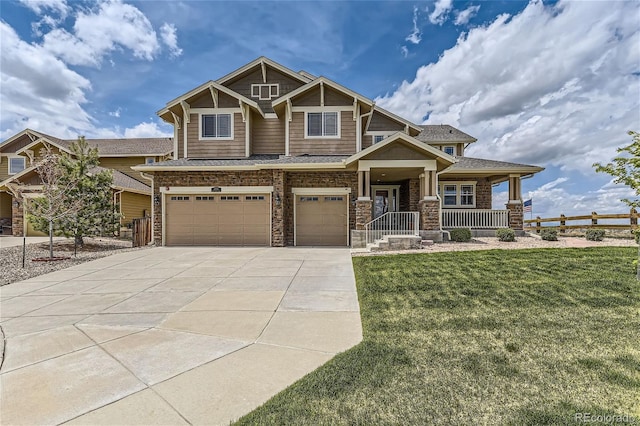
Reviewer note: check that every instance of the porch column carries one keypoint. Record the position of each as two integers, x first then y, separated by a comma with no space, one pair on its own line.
360,184
429,184
367,183
17,217
515,203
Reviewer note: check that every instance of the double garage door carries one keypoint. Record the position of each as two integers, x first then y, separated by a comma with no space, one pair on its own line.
245,220
218,220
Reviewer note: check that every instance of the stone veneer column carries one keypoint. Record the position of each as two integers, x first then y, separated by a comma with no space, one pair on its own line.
414,194
17,217
429,215
363,213
277,221
515,214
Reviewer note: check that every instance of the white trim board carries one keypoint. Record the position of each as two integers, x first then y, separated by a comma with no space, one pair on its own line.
223,189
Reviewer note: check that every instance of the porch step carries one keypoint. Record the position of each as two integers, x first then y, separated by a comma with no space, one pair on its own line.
396,242
426,243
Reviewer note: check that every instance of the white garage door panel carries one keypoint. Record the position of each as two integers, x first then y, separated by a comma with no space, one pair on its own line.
232,220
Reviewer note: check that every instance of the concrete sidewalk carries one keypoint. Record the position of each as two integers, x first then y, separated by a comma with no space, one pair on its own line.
172,335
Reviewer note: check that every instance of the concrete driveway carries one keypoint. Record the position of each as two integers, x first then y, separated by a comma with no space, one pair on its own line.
172,335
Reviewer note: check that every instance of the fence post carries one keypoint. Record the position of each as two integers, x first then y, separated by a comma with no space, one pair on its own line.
594,218
537,224
563,222
633,218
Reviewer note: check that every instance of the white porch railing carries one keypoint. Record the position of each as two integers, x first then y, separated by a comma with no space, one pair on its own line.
475,218
392,223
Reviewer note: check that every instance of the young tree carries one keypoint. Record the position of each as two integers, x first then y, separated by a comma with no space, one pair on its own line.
53,204
626,170
97,214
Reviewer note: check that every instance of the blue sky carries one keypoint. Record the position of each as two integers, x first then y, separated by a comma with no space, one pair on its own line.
555,84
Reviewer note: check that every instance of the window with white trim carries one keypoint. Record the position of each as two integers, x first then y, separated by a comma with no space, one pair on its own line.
379,138
149,160
265,92
449,149
458,194
17,164
324,124
216,126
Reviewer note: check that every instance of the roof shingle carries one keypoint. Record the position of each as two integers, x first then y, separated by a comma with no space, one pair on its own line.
443,133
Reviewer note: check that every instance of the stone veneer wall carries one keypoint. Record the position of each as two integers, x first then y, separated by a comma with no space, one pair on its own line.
17,218
429,215
317,180
414,194
515,215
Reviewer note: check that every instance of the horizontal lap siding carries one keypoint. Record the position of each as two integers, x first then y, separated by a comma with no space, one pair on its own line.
267,135
124,164
133,206
216,148
382,123
345,145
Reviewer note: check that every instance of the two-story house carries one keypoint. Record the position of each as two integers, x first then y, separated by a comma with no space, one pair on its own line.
269,156
19,156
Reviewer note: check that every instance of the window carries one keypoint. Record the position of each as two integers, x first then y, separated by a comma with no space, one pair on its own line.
307,199
216,126
458,194
333,198
265,92
179,198
451,150
323,124
149,160
379,138
16,165
450,195
254,198
229,198
205,198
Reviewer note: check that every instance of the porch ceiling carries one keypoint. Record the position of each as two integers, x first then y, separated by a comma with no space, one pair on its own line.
394,174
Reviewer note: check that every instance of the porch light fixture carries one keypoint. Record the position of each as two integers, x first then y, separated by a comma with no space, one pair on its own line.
278,200
156,200
16,203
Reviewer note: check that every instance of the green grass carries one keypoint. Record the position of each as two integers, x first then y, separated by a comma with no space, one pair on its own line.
521,337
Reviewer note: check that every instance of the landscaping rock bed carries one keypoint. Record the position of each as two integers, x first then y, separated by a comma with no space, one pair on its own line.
11,269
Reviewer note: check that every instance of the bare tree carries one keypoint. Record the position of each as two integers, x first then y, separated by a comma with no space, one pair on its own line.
52,202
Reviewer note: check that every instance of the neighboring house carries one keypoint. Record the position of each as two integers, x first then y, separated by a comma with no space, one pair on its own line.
19,157
268,156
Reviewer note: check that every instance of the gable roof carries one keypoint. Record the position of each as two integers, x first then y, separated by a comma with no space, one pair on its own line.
124,182
324,80
395,117
474,165
401,136
148,147
443,133
263,60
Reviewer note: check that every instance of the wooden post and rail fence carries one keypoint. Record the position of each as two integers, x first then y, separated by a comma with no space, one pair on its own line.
631,218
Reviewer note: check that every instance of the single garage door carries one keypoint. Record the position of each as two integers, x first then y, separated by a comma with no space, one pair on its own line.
321,220
218,220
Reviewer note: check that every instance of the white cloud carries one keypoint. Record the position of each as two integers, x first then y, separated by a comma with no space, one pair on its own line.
463,17
416,35
41,6
441,11
99,31
41,91
404,51
170,38
148,130
553,85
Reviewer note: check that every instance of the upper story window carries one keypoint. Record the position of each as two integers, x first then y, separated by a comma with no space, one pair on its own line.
16,165
449,149
216,126
265,92
149,160
322,124
379,138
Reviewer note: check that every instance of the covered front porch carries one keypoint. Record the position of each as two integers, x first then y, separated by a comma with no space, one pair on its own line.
411,190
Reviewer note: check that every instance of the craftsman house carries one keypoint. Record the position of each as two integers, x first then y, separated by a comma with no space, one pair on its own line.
268,156
18,163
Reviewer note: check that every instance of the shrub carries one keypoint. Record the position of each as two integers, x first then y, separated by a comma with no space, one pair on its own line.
595,234
461,235
549,234
636,234
506,235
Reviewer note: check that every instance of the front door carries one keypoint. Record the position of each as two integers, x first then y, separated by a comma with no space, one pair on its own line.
385,199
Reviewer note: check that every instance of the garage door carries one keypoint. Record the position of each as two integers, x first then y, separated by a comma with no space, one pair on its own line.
218,220
321,220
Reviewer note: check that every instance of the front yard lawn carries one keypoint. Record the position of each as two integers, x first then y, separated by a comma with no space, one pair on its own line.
487,337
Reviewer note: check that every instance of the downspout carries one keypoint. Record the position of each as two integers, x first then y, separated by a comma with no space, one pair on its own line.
440,204
153,211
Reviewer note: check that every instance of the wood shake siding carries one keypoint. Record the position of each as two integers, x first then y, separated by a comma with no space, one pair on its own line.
212,148
134,206
243,86
267,135
367,141
205,100
123,164
298,145
380,122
